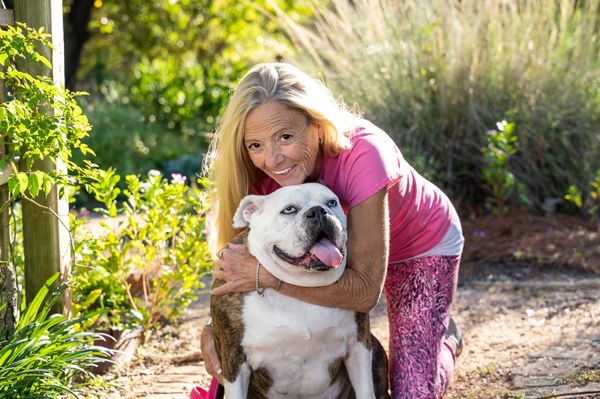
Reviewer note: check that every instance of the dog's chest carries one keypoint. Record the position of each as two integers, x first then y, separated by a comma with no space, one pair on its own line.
297,342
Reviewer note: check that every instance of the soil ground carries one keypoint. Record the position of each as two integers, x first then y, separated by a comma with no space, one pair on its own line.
528,305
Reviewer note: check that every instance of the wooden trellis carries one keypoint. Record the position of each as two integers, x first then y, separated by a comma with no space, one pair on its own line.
46,237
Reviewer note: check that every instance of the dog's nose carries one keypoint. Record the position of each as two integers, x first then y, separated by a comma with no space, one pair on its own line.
316,212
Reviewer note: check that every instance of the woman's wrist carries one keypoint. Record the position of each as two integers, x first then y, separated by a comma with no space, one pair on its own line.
268,280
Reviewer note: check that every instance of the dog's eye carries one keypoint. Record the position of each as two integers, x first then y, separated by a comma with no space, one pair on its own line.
289,210
332,203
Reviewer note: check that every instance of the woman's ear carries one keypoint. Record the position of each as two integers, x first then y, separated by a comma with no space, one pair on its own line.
248,205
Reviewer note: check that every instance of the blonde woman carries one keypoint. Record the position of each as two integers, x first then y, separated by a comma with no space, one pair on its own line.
283,127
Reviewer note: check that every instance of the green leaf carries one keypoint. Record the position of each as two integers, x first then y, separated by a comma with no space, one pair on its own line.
33,185
91,298
13,186
44,61
47,184
23,180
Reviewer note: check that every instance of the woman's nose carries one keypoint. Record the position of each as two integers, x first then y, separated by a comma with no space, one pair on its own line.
274,157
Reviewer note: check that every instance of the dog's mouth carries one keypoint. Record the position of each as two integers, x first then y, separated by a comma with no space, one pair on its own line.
322,256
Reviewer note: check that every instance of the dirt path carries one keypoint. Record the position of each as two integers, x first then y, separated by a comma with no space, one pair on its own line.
529,333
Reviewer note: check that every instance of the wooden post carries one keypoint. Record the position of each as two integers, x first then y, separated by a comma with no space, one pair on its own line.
46,236
8,275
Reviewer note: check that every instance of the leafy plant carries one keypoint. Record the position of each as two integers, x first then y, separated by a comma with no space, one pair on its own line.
40,120
47,353
499,180
146,261
592,202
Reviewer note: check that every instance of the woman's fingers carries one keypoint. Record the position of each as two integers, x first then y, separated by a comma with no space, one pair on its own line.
237,268
212,363
237,285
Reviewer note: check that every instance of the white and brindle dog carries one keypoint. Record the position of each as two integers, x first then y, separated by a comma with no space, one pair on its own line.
276,346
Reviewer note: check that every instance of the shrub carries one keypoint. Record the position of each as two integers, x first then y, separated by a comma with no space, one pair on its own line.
500,183
47,353
126,141
145,260
436,74
588,199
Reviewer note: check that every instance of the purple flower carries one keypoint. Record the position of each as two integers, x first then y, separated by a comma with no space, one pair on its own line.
479,234
176,178
491,132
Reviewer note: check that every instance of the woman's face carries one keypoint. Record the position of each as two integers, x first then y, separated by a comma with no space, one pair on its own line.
283,143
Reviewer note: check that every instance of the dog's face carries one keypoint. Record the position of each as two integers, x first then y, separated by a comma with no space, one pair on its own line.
298,233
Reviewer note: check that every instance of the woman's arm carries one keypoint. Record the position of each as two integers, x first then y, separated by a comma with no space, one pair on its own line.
361,283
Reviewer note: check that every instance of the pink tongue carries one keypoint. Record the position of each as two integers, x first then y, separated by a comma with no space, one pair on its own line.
327,253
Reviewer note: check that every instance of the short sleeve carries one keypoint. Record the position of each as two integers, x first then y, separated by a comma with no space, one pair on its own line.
374,162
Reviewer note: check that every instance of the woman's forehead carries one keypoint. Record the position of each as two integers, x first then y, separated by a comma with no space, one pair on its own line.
269,118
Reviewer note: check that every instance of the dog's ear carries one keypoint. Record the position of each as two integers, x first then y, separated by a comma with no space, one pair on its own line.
248,205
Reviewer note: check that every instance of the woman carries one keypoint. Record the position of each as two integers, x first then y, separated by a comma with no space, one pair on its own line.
282,127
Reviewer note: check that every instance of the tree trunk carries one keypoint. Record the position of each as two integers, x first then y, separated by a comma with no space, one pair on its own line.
76,35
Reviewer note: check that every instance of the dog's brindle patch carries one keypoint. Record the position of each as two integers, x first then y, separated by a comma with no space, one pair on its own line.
231,326
260,383
363,328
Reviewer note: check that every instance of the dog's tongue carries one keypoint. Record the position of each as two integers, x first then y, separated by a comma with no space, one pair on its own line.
327,253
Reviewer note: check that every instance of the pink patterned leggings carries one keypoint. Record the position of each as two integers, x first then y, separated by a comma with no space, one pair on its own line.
419,295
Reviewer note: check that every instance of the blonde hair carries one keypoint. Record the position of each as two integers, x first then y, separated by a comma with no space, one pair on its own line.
228,164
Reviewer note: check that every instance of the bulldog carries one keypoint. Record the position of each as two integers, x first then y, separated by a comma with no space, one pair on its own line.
275,346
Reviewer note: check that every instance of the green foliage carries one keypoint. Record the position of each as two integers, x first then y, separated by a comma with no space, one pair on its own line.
40,120
435,75
592,202
182,59
124,141
574,195
47,352
145,260
585,377
499,181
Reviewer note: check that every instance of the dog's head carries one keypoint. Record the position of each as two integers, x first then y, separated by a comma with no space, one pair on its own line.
298,233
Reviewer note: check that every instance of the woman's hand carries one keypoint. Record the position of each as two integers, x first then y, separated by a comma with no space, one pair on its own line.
238,268
212,363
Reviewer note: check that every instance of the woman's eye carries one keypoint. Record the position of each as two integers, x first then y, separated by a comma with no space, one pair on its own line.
253,146
332,203
286,137
289,210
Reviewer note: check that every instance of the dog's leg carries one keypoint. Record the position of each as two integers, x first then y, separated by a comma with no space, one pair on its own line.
238,389
359,369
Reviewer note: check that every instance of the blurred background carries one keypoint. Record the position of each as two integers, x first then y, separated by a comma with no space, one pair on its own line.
438,76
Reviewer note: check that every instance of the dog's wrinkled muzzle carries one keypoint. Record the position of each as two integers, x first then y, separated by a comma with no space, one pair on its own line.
322,253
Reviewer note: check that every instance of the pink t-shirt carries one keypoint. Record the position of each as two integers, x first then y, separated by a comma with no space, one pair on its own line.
419,211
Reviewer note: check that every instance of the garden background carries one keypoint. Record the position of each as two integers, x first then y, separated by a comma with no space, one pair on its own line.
496,101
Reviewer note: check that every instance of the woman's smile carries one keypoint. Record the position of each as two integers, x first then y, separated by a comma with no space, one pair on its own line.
284,172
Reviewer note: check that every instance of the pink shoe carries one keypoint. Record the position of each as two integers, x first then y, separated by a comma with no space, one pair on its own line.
201,393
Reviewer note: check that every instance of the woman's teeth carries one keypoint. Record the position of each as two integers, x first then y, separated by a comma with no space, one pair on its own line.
283,172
